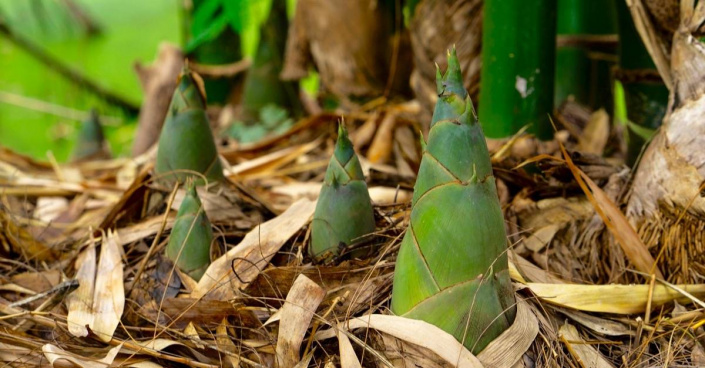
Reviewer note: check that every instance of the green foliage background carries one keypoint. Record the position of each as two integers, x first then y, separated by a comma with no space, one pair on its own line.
132,31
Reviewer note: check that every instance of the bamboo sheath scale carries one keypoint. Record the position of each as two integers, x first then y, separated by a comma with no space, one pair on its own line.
452,268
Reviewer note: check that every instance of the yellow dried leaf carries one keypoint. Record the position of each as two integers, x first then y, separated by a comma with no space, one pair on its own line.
618,299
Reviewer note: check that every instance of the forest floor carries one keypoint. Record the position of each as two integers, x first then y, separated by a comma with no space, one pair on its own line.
83,279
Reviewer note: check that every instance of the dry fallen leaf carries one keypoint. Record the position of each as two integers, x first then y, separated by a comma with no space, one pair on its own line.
584,353
505,351
296,314
99,301
508,348
253,253
616,222
416,332
54,353
594,137
348,359
381,147
379,195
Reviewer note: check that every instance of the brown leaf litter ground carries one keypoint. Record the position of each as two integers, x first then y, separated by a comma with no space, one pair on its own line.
83,280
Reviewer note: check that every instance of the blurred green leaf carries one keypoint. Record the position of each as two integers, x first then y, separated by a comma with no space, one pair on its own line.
208,34
204,14
273,119
642,132
271,115
238,13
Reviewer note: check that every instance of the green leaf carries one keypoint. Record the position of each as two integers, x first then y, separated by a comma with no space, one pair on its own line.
208,34
642,132
238,13
272,115
204,15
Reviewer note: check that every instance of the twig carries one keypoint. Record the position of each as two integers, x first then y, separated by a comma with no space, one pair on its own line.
66,71
54,109
91,27
220,71
61,289
607,41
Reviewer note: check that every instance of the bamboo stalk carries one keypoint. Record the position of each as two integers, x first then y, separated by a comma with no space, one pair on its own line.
518,57
263,85
226,48
577,73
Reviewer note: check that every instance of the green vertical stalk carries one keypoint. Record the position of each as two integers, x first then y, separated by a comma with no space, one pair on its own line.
577,73
645,94
518,57
263,85
226,48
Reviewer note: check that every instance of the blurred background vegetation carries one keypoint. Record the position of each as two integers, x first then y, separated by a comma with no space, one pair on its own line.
127,31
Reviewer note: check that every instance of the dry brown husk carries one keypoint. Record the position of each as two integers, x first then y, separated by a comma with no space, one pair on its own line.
436,26
666,203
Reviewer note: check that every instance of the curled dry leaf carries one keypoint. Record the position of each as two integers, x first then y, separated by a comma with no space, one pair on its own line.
19,239
505,351
54,353
253,253
508,348
180,312
416,332
298,310
99,301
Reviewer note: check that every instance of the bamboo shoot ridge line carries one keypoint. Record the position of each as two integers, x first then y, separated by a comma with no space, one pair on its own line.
344,210
452,268
186,141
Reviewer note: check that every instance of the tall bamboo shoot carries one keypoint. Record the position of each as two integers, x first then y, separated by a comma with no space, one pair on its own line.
452,268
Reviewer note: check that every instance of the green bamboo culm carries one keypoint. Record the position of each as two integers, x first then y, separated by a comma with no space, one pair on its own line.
518,58
186,141
344,210
91,140
583,71
452,268
207,17
645,94
263,85
191,237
